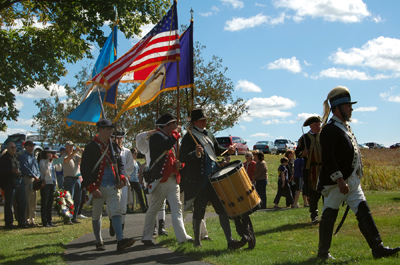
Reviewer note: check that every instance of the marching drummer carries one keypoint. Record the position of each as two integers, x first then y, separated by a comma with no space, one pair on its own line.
199,151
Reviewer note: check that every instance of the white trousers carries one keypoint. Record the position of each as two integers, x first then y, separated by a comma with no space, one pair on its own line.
112,196
333,198
167,190
122,204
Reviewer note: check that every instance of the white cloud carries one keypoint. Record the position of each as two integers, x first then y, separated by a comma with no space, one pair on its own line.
9,131
352,74
239,23
306,63
304,116
355,121
18,24
247,86
242,127
366,109
262,5
277,121
381,53
145,29
206,14
348,11
268,108
292,65
215,9
388,96
246,118
234,3
261,135
19,104
40,92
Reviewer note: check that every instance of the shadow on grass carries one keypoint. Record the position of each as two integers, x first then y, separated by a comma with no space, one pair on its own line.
34,259
283,228
396,199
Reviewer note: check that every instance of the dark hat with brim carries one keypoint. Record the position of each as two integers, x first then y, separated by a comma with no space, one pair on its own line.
120,134
165,119
104,123
48,149
311,120
343,98
197,115
29,143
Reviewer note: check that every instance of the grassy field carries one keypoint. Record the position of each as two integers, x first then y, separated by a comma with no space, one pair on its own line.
283,237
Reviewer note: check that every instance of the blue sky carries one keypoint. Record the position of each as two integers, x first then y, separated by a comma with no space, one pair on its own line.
284,56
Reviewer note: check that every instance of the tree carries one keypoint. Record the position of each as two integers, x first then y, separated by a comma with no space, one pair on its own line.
213,92
36,55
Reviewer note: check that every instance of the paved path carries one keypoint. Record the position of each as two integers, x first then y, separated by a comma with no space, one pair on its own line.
82,251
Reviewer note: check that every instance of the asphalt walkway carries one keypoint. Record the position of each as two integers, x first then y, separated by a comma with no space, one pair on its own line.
82,251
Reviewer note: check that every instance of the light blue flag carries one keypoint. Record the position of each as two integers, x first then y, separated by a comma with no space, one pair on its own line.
89,110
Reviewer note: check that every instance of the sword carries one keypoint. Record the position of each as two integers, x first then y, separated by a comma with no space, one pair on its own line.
343,218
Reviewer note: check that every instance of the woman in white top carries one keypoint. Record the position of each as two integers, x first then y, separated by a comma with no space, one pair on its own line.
47,173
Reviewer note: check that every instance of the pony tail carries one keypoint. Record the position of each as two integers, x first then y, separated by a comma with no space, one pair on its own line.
326,112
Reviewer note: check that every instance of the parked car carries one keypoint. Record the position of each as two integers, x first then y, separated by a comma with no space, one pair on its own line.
372,145
283,145
381,146
267,147
363,146
395,146
226,141
294,145
20,138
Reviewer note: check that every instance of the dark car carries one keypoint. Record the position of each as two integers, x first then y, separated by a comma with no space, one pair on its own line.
267,147
373,145
240,147
20,138
395,146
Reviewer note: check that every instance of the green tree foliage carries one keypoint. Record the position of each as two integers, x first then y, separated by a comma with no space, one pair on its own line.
213,92
36,55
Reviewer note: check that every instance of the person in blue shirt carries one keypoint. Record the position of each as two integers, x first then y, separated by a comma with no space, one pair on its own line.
31,173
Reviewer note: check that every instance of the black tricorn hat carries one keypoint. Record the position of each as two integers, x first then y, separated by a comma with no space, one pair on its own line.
196,115
104,123
311,120
165,119
120,134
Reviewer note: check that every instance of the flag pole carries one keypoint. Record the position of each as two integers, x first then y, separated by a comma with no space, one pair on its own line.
192,88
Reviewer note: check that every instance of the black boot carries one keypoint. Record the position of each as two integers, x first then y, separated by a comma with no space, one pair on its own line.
325,232
369,230
155,229
161,228
123,226
197,233
112,232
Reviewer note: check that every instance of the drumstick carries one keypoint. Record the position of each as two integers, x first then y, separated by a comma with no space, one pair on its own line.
227,150
194,139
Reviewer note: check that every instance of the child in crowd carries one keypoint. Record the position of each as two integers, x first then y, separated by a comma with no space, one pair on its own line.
283,184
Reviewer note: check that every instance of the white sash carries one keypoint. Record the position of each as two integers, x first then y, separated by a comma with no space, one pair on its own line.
206,143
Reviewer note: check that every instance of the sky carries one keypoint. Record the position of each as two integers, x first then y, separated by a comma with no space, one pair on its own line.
283,57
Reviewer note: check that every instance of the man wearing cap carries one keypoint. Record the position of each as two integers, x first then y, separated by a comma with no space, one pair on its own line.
71,171
13,185
340,176
127,160
201,161
103,176
309,149
31,173
164,168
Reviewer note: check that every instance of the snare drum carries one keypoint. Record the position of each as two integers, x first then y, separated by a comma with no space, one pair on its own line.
235,190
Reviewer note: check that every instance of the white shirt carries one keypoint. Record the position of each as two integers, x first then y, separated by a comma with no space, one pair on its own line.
143,146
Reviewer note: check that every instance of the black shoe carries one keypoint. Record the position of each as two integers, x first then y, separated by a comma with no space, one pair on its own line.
52,225
125,243
10,227
325,256
68,223
144,210
76,221
385,252
100,246
111,230
206,238
236,244
46,225
148,242
161,229
24,226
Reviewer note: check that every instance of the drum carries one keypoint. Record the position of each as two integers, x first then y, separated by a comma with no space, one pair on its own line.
235,190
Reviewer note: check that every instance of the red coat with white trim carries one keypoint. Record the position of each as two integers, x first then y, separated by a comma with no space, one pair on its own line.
92,153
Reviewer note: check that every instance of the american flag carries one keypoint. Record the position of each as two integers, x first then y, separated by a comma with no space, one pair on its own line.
161,44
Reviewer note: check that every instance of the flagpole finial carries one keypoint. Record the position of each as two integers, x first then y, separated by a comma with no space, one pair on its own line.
191,11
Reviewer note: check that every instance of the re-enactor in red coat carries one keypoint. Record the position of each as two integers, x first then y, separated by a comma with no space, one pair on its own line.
100,175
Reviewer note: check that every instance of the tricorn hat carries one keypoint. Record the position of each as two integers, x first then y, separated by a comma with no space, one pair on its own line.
311,120
165,119
196,115
104,123
120,134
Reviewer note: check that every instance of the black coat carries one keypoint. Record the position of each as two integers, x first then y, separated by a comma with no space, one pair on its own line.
194,171
90,156
159,144
7,163
337,154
